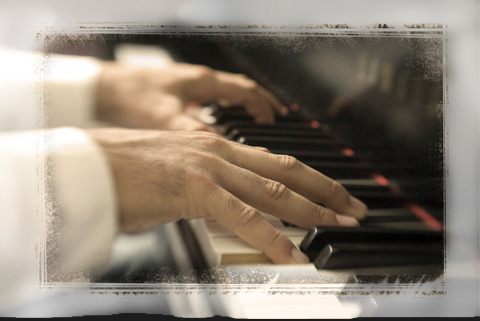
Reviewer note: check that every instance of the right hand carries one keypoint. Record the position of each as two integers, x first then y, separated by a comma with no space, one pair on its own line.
166,176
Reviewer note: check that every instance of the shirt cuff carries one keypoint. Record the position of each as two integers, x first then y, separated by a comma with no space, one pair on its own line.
85,191
69,175
70,90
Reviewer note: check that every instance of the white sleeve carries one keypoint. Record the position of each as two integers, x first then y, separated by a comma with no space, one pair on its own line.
46,175
45,91
69,91
56,190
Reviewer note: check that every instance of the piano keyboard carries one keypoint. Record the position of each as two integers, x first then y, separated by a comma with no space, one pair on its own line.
313,144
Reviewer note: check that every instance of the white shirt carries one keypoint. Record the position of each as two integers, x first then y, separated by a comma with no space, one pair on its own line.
50,175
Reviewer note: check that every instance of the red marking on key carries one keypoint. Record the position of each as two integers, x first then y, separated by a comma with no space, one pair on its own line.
348,152
425,216
395,190
314,124
381,180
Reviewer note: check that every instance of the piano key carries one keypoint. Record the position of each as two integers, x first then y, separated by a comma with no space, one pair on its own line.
313,144
357,255
371,188
233,250
229,126
389,215
214,229
342,164
224,115
377,200
278,132
303,141
337,170
370,246
417,225
359,182
386,217
317,155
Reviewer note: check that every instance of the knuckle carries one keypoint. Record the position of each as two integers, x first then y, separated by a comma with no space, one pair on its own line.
251,84
337,191
247,217
202,72
274,237
276,190
200,186
321,213
324,215
288,163
200,179
211,141
199,127
206,161
243,76
210,161
263,149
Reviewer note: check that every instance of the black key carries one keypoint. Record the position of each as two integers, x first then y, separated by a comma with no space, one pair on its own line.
347,247
320,156
278,132
376,200
388,215
384,215
224,115
352,187
290,143
342,170
232,125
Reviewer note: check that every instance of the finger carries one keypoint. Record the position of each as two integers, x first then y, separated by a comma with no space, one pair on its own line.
299,178
243,91
258,108
278,107
274,198
263,149
246,82
249,225
260,148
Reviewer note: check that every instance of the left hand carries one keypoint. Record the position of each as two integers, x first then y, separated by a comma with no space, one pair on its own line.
155,98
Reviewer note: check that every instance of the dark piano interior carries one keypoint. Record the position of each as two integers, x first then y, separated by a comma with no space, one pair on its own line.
381,95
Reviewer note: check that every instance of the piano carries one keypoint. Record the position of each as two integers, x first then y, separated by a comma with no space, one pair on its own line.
365,111
396,232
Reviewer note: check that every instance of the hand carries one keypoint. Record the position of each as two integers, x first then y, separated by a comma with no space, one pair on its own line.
163,176
154,98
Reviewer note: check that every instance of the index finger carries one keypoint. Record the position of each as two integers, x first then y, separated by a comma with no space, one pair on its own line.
249,225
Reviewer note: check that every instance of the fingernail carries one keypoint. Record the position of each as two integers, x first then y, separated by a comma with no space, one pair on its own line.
347,220
358,205
298,256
